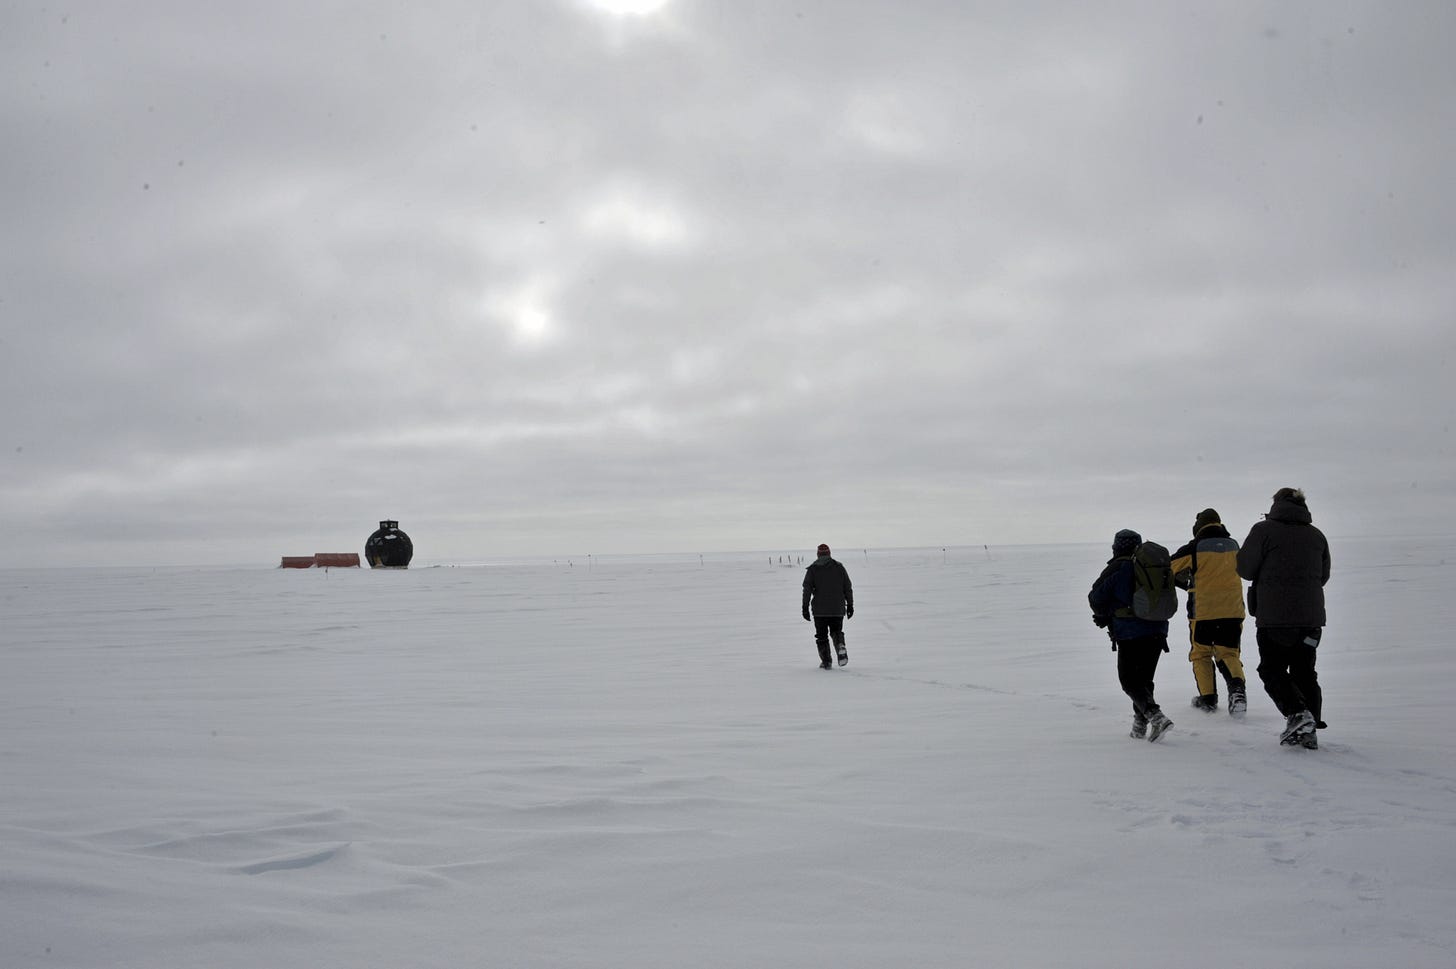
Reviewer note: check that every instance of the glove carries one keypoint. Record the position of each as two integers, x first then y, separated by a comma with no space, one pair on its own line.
807,617
849,612
1100,622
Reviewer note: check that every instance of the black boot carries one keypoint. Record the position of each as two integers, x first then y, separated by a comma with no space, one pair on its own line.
825,660
1238,701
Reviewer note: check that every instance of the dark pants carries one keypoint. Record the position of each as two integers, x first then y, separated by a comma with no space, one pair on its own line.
824,627
1137,662
1287,656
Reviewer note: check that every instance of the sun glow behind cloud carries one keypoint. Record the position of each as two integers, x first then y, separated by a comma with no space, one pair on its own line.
628,8
526,312
625,22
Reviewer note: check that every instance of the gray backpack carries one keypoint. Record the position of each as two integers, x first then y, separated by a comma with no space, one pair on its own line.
1153,595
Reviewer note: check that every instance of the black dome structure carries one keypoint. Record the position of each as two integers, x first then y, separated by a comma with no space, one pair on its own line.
389,548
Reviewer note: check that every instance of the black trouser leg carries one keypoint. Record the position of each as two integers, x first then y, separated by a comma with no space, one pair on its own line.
1274,672
824,628
1286,665
1137,663
821,637
1302,658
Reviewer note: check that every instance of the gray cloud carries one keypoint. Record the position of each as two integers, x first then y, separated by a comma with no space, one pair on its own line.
537,278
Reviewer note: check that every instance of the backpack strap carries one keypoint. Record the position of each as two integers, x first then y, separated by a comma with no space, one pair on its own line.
1125,612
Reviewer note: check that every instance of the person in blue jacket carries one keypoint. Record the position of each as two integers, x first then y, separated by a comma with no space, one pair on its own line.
1139,643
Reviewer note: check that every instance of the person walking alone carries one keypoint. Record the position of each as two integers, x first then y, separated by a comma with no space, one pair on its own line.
1206,567
1287,561
828,602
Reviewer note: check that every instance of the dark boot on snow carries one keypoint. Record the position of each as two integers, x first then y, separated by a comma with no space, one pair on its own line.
1238,700
1296,727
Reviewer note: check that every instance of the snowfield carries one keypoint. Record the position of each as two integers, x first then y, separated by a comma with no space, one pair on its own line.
636,762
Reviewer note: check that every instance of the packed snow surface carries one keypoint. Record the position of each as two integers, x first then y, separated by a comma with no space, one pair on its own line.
637,762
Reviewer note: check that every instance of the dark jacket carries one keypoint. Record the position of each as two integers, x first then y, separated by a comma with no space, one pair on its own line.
1113,591
827,587
1287,560
1206,567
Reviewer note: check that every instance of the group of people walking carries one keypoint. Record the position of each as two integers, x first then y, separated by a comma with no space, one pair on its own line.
1286,561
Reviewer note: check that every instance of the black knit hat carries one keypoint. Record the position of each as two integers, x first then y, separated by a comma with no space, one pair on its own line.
1125,541
1205,518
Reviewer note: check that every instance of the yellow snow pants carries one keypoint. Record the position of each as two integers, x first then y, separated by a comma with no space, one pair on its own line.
1203,658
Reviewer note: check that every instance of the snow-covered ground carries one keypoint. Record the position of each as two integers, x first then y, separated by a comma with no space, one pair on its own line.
636,762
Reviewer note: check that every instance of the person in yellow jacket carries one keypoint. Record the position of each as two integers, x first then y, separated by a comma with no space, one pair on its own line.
1207,568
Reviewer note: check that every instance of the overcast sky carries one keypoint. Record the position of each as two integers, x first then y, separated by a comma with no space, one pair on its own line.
544,277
